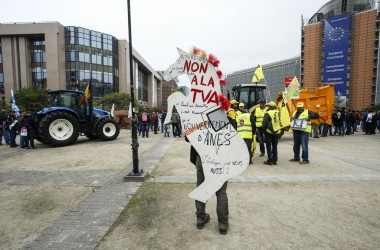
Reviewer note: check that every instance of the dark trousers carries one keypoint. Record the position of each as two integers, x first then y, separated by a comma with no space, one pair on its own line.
31,137
12,137
221,198
271,142
249,146
301,138
145,129
176,127
260,139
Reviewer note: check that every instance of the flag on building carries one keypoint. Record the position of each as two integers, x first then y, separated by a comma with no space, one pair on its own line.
258,75
14,106
86,94
113,110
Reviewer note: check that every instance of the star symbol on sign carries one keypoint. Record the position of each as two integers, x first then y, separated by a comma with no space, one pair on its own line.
336,34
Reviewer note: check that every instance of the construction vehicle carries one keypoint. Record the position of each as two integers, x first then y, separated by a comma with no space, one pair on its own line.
65,119
319,99
250,94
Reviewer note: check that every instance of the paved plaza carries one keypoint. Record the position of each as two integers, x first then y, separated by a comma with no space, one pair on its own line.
75,197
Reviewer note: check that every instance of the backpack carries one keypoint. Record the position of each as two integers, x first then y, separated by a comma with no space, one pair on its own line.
144,117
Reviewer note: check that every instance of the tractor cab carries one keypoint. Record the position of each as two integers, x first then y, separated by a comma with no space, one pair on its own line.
250,94
68,99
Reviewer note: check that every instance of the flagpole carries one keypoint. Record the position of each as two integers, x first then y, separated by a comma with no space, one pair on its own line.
135,144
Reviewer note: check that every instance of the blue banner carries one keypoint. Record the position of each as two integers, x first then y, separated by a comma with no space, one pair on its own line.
336,42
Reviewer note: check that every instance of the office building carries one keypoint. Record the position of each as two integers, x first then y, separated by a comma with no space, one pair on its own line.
340,45
52,56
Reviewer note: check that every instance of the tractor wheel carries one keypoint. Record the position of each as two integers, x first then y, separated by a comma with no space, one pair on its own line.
59,129
107,130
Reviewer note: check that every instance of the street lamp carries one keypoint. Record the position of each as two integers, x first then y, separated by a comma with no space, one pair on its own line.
135,174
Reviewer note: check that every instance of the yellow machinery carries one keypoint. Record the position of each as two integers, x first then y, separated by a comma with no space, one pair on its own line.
319,99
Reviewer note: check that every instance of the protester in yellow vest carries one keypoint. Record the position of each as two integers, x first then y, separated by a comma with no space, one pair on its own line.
301,138
258,114
271,119
231,113
246,128
241,109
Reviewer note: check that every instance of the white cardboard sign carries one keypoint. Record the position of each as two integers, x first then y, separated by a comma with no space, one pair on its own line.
222,151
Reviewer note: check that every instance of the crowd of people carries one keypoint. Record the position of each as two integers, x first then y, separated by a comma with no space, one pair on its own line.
154,122
23,126
347,122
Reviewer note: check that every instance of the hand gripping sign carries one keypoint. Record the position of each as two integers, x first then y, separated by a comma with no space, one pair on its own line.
222,151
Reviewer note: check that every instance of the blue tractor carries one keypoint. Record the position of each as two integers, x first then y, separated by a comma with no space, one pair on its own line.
65,119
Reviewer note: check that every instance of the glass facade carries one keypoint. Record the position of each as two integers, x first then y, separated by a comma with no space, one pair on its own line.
1,71
142,85
274,73
337,7
91,56
38,60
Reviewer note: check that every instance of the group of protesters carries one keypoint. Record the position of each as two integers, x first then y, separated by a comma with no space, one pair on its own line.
154,122
347,122
24,126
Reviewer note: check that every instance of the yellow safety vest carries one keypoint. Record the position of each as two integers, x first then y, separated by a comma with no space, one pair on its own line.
244,126
274,119
303,115
231,113
238,112
259,114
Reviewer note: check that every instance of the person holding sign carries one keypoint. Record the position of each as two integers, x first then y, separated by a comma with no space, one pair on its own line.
272,131
300,134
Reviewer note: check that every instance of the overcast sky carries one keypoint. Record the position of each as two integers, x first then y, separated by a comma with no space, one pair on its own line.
241,33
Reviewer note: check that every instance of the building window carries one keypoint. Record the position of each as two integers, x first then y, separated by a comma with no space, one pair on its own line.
91,56
1,72
142,81
38,59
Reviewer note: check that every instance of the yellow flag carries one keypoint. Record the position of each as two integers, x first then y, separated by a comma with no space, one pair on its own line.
258,74
283,116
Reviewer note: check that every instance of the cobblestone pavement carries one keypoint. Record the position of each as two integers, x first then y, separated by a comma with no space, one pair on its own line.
84,226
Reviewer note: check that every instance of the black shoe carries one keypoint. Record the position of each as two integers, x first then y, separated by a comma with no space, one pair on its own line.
223,227
275,163
262,154
268,163
294,160
202,221
304,162
13,146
